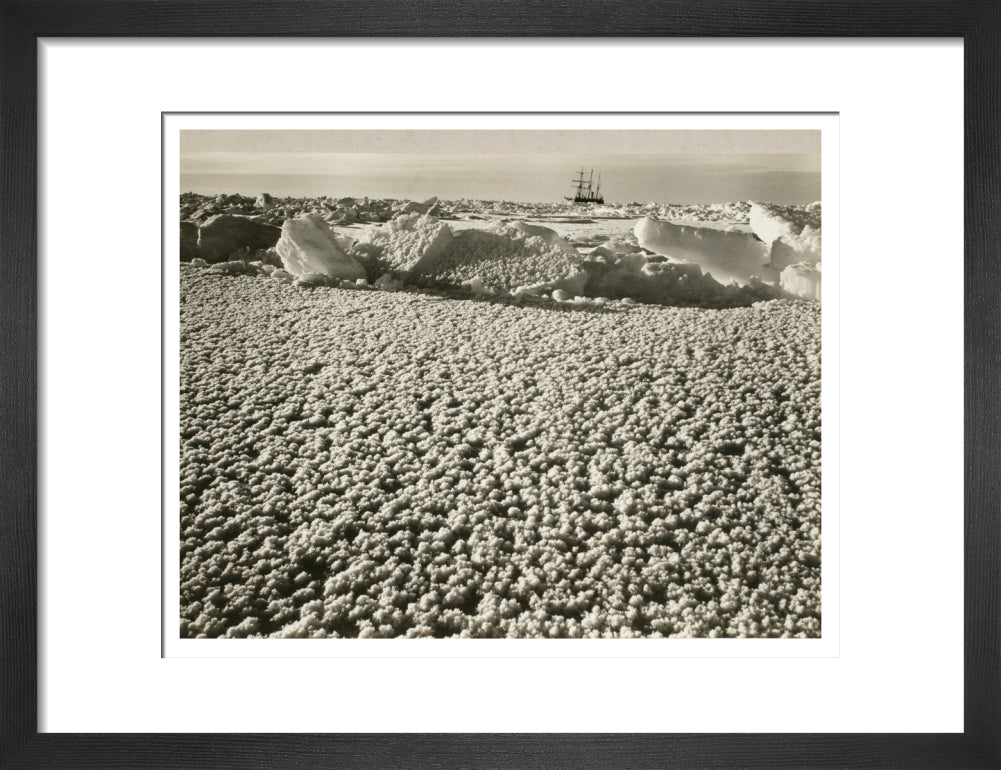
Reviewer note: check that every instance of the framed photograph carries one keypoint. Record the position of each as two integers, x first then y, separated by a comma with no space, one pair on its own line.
508,511
506,415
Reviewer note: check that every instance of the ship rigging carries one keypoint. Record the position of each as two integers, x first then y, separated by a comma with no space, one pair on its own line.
585,191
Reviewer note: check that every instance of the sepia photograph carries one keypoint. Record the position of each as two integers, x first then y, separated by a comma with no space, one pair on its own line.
553,384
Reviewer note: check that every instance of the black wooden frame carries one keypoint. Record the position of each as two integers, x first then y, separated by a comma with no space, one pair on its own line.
978,22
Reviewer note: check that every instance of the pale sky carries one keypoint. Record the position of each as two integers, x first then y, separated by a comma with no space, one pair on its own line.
626,176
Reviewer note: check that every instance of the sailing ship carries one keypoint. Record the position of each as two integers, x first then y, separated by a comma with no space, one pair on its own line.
585,191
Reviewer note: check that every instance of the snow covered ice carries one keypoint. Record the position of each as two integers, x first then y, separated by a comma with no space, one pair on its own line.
780,237
307,246
792,232
802,280
725,255
413,243
458,468
491,419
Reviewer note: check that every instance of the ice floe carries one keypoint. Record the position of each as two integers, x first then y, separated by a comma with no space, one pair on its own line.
308,246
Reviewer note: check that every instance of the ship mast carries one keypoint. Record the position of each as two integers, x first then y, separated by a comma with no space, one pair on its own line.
584,187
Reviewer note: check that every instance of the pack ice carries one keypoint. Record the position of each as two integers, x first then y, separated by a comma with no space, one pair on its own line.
307,246
506,256
793,232
803,280
794,235
726,255
415,207
411,243
550,236
783,248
